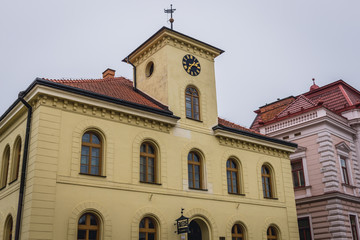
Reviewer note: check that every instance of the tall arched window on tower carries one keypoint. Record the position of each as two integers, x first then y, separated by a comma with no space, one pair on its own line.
8,229
266,181
272,233
232,173
91,150
16,160
194,170
147,163
4,167
192,103
88,227
147,229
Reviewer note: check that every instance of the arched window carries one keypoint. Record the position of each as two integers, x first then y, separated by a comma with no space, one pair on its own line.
272,234
91,150
147,229
266,181
16,160
8,229
4,167
232,172
194,170
147,163
88,227
192,103
237,232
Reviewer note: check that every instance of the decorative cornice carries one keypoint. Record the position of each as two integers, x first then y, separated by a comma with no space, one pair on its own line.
254,147
165,37
101,112
326,197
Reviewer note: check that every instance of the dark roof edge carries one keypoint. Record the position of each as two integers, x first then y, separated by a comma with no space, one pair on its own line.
254,135
43,82
163,28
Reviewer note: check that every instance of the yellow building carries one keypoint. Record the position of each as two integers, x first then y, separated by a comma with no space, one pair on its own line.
114,159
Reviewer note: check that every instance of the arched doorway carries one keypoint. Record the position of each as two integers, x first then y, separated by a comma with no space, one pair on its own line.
198,230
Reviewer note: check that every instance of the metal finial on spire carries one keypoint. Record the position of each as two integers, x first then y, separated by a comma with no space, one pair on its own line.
313,81
171,10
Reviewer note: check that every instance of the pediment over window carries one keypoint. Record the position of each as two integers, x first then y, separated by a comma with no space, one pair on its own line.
343,147
300,149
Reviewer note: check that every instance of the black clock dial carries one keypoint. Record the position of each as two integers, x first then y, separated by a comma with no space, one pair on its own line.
191,65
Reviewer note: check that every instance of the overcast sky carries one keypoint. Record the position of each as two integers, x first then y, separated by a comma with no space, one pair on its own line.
273,48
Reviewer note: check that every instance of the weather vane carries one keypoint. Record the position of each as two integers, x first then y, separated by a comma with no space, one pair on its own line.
171,10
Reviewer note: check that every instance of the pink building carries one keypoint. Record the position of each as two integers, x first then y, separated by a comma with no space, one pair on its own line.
325,123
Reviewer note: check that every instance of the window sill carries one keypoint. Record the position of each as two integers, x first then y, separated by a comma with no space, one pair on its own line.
301,188
13,181
194,119
152,183
271,198
349,186
237,194
87,174
199,189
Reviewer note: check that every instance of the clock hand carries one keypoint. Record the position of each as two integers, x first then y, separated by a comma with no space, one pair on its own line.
190,66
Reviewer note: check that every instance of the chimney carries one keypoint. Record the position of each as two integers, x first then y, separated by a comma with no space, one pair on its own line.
108,73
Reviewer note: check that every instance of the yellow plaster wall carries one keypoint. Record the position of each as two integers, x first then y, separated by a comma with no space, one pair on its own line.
57,194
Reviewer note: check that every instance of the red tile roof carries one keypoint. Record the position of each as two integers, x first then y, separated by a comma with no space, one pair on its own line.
337,97
115,87
229,124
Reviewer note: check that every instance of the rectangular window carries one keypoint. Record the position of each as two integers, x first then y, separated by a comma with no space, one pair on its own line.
298,173
304,228
353,224
344,170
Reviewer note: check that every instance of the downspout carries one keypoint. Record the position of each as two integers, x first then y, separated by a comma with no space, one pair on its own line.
24,165
127,60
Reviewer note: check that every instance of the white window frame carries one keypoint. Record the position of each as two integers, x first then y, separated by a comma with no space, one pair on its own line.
302,155
357,222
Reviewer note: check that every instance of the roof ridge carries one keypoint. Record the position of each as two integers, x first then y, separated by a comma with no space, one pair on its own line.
86,79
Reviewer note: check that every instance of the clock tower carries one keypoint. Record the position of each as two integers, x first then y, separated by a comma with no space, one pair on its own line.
178,71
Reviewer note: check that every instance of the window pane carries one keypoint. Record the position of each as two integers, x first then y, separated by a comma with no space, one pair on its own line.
143,148
142,223
95,170
151,224
95,139
82,220
95,161
151,236
81,234
343,163
93,220
196,158
84,160
95,152
296,165
86,137
229,181
142,236
92,235
84,169
151,149
85,150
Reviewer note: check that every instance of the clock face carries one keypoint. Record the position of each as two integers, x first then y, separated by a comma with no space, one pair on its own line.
191,65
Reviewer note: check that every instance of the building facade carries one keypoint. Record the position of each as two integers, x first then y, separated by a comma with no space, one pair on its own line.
113,159
324,122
